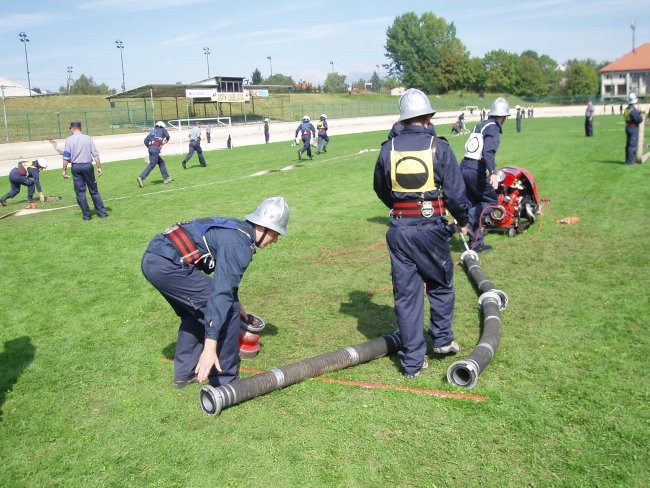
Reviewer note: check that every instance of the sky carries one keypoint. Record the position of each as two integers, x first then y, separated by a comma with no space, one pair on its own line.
164,40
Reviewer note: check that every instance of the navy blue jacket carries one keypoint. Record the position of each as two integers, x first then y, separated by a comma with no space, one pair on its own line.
447,176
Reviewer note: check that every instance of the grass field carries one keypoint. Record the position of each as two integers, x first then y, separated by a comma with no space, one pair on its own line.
85,385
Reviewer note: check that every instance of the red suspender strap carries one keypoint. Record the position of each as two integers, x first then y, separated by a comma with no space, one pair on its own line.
183,244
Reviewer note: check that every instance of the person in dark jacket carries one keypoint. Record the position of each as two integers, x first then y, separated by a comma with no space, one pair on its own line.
154,147
633,119
26,173
479,168
178,263
307,132
418,178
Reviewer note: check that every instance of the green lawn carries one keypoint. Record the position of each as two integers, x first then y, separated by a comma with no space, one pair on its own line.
85,389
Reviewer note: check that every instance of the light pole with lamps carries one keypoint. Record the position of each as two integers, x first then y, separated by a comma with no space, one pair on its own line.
69,77
24,39
270,65
120,45
206,51
332,63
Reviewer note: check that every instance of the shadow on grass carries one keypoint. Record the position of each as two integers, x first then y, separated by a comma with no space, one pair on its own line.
373,320
17,355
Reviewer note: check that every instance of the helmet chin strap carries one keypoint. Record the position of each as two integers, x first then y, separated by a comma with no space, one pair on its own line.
259,241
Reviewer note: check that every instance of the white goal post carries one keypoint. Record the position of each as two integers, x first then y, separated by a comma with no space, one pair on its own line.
186,124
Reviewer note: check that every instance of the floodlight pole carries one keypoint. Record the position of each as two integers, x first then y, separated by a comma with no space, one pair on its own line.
69,77
270,65
633,26
24,39
332,63
206,51
4,111
120,45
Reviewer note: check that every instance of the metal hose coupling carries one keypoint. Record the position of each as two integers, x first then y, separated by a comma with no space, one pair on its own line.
472,254
498,296
463,373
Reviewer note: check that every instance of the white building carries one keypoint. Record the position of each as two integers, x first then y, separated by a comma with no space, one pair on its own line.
629,74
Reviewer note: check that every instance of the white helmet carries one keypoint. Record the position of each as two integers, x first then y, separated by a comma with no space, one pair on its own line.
323,116
272,213
266,119
413,104
305,118
517,107
633,99
160,123
500,108
42,163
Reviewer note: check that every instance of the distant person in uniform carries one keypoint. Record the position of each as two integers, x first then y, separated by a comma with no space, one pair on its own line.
80,152
307,131
208,133
178,263
26,173
589,120
267,130
156,139
518,117
195,145
323,138
479,168
633,119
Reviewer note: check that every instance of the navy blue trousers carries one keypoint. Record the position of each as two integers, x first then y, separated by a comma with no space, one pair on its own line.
187,289
480,195
155,159
306,146
83,175
631,142
16,180
419,256
195,146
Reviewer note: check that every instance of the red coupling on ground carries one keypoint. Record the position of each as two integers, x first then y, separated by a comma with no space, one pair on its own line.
249,336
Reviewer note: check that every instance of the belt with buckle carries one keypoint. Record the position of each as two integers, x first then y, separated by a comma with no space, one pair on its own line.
418,208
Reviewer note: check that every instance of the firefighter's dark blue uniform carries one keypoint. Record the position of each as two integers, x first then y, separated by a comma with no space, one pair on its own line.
480,194
632,121
25,173
208,307
195,146
154,148
419,245
306,130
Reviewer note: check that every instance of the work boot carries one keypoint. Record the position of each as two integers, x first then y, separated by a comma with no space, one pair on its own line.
451,348
425,366
482,247
184,383
299,156
140,182
184,163
3,202
167,180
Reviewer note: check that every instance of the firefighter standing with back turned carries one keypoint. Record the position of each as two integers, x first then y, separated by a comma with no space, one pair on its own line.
633,119
417,177
178,263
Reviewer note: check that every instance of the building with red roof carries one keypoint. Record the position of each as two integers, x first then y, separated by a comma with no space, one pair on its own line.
629,74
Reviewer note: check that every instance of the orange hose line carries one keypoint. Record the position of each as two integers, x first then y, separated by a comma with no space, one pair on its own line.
366,384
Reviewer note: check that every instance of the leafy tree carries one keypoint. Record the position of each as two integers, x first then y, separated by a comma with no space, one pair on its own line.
531,80
453,71
335,83
256,77
285,83
390,82
581,78
376,82
418,46
85,85
501,71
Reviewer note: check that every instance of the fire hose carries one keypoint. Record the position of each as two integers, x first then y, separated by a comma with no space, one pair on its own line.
491,301
214,399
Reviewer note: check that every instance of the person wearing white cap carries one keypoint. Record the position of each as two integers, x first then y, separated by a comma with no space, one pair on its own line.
632,121
25,173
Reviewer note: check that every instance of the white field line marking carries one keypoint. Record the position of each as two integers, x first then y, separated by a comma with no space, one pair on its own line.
189,187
